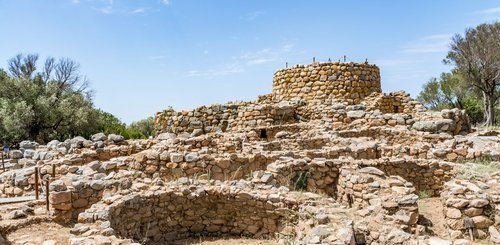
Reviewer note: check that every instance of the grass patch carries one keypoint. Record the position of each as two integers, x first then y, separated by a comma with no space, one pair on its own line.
424,194
301,181
479,169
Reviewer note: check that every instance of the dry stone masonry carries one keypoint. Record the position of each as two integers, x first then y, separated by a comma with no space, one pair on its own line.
325,158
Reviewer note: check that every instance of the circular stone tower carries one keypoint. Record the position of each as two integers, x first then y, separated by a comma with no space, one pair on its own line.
349,82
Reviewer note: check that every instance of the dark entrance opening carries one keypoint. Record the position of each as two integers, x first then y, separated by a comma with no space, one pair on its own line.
263,133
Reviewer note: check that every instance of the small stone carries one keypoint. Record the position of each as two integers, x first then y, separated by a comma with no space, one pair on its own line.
453,213
16,214
176,157
57,185
372,170
97,185
192,157
478,203
98,137
482,222
266,178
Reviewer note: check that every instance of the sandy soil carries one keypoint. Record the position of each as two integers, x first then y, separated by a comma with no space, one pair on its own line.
38,233
432,216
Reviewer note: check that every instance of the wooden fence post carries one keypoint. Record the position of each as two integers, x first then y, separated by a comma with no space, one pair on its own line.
36,183
47,192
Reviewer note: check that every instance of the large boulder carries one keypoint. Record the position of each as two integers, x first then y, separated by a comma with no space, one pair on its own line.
26,144
99,137
166,136
116,138
16,154
77,142
53,145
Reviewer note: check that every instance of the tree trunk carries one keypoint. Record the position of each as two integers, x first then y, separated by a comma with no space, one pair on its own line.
489,109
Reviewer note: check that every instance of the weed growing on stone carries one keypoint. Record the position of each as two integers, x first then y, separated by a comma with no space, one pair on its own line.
301,182
424,194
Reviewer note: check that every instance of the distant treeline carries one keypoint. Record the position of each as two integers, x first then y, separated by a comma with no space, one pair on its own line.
54,101
474,82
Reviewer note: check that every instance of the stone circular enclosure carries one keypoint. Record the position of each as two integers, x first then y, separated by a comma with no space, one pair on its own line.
213,208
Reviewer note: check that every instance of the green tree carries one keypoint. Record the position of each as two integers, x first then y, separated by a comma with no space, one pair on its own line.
477,55
146,127
447,91
44,105
451,90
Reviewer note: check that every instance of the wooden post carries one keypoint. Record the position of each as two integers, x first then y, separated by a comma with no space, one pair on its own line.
36,183
469,225
3,163
47,192
53,170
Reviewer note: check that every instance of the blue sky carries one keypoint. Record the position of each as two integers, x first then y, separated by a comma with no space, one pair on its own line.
142,56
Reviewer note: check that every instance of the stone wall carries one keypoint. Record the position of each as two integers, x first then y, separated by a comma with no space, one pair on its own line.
474,200
68,202
215,208
349,82
221,118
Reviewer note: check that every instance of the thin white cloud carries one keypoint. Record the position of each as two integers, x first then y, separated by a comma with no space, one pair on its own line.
139,10
205,52
494,10
429,44
253,15
223,71
165,2
75,1
106,10
266,55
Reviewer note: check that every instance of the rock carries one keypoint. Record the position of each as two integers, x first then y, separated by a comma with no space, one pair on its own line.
57,185
356,114
408,199
453,213
60,197
77,142
16,154
372,170
29,153
53,145
115,138
478,203
97,185
176,157
267,178
457,202
397,236
49,242
16,214
192,157
482,222
26,144
282,134
438,241
196,132
425,126
98,137
166,136
494,235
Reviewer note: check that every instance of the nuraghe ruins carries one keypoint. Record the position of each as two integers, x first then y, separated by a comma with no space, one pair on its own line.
325,158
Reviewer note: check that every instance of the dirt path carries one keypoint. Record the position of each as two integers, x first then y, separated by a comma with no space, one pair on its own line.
432,216
224,241
38,233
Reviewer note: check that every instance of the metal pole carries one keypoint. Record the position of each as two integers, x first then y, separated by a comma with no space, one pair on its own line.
314,59
47,193
53,170
36,183
344,58
3,163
